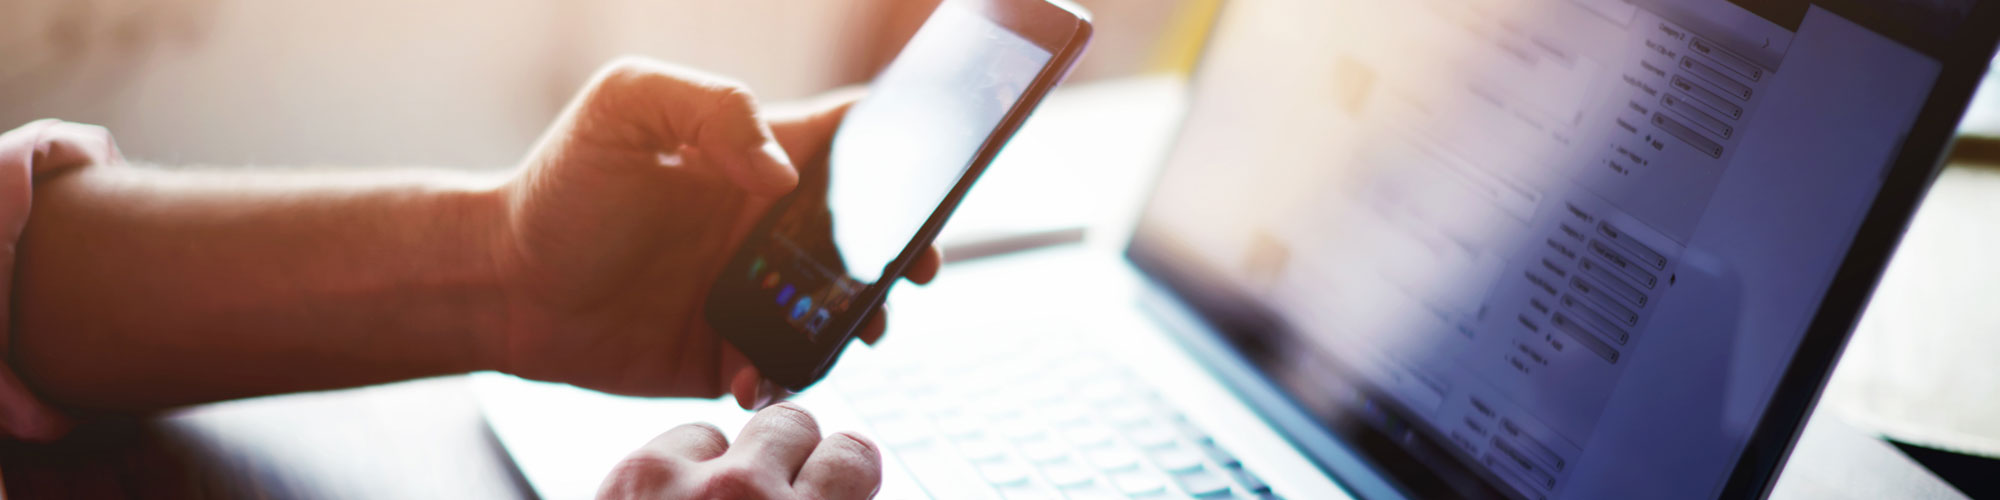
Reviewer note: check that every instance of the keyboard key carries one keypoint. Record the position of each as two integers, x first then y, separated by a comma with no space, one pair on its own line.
981,450
1110,400
1175,458
903,431
1068,474
1112,458
1203,483
1105,391
1158,401
923,391
1139,482
1249,481
1215,452
884,408
1066,414
943,400
1005,415
1187,428
942,473
1023,431
1004,473
900,442
1150,435
991,409
960,426
1028,492
1088,435
1043,450
1092,491
1042,398
1065,424
1080,369
1127,415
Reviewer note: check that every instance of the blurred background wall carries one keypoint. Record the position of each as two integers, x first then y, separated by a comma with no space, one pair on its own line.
437,82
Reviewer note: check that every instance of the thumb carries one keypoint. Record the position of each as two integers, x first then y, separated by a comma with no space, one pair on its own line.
807,131
732,134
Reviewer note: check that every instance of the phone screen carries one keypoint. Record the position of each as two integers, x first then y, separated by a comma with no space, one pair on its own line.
897,155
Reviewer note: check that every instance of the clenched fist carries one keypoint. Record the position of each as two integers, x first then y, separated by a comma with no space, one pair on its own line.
624,214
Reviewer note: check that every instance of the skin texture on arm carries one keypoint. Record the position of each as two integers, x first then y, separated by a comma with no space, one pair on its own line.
140,288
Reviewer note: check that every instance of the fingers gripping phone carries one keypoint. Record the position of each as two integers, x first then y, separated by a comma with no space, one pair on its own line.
801,285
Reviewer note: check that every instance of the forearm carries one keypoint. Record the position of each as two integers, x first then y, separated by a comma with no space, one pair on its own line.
141,288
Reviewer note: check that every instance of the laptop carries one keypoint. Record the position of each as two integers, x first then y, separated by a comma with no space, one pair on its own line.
1428,248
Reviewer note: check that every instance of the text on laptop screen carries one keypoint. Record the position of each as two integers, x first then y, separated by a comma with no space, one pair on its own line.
1552,249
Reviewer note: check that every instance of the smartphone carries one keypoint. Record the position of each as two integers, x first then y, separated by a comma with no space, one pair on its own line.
802,283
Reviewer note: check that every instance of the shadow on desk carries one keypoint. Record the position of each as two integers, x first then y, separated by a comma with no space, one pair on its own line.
419,439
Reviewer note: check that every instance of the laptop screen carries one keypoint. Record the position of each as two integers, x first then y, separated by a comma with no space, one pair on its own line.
1539,249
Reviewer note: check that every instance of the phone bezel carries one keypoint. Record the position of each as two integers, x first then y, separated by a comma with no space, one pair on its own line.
785,355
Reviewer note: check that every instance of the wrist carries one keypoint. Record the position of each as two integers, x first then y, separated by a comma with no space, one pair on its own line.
482,215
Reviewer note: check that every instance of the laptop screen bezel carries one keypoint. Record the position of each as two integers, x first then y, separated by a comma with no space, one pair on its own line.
1224,314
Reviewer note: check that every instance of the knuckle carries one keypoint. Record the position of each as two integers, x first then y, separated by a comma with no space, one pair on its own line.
641,472
627,66
859,451
618,82
699,428
730,481
646,464
847,463
732,98
704,432
791,413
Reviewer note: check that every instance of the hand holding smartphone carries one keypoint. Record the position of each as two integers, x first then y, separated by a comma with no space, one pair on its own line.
803,283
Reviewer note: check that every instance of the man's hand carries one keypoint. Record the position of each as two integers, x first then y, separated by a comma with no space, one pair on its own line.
779,455
41,147
624,215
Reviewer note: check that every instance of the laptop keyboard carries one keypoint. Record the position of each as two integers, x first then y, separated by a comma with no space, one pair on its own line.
1038,420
